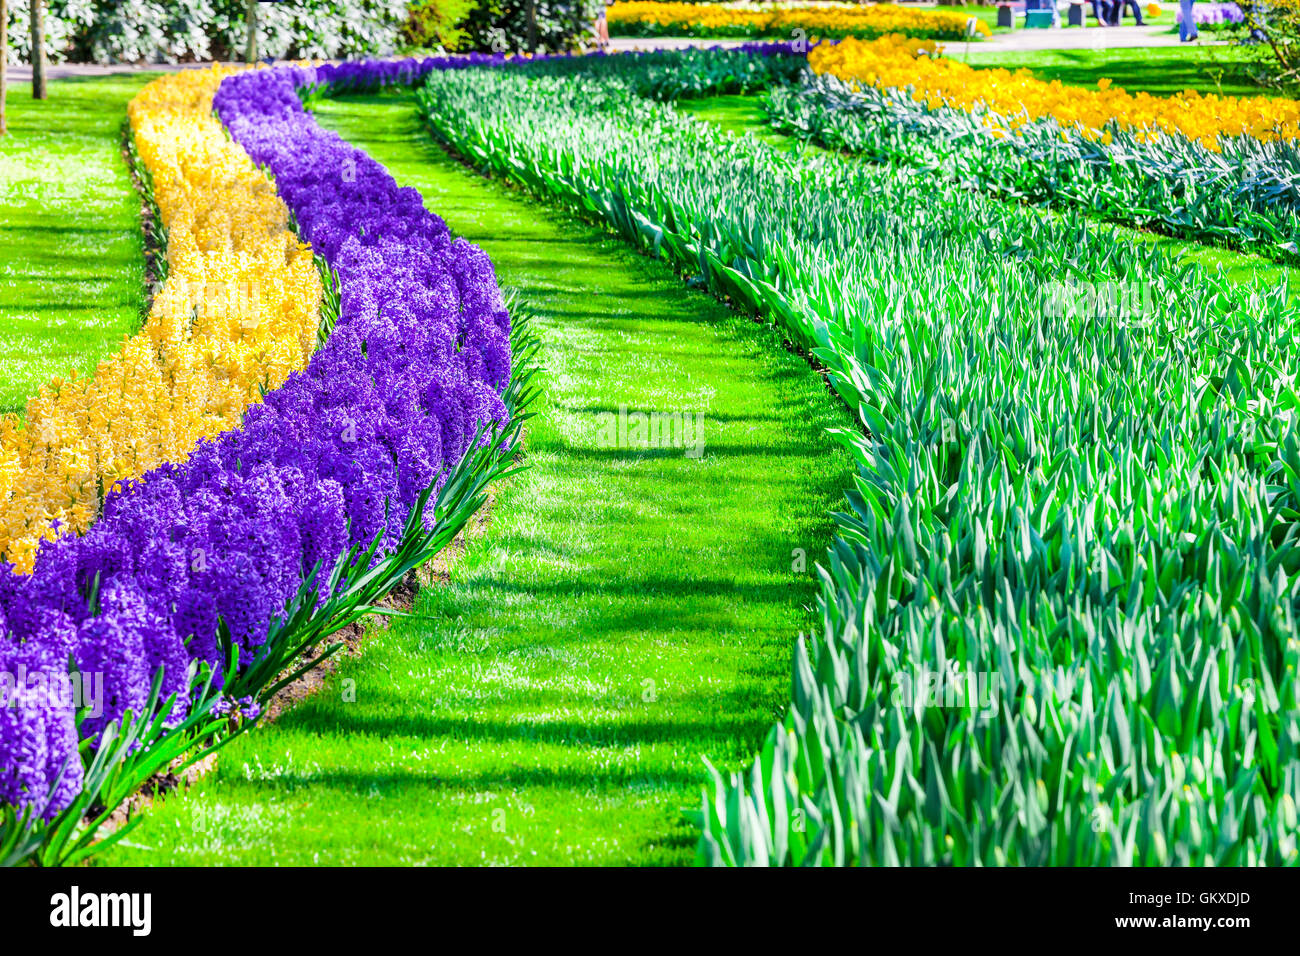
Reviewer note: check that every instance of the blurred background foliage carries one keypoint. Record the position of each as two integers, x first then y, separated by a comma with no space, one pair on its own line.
178,31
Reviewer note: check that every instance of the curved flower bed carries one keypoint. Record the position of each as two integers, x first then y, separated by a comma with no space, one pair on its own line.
1012,98
373,74
651,18
237,313
327,478
264,539
704,64
1241,191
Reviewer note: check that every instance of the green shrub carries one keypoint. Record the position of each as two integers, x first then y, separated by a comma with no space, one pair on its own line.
1270,32
502,25
437,23
310,28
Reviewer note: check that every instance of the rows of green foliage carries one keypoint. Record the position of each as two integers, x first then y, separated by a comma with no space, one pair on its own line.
1245,194
669,75
1060,615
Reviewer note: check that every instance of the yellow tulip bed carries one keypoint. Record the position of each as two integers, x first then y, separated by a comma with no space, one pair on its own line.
1015,97
637,18
237,313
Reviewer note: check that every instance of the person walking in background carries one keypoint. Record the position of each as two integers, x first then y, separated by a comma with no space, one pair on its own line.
1187,21
1117,12
602,27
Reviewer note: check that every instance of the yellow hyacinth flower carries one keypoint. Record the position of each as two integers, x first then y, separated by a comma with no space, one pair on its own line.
238,312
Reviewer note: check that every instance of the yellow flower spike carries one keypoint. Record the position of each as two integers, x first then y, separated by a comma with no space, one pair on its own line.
240,286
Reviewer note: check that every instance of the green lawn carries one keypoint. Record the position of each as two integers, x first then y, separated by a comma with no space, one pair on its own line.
71,252
624,614
740,113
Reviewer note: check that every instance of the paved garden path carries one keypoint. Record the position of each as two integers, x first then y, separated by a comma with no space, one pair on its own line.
626,612
1057,38
1085,38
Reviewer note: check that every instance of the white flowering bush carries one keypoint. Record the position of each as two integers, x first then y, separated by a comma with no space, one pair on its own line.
65,20
171,31
131,31
311,28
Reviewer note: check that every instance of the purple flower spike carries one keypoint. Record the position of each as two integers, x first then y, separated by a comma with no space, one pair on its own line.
339,454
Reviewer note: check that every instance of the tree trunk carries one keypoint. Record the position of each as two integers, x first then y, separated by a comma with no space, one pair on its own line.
250,50
532,26
38,50
4,61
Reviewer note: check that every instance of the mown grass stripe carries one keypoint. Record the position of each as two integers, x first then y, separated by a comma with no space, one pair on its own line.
625,614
